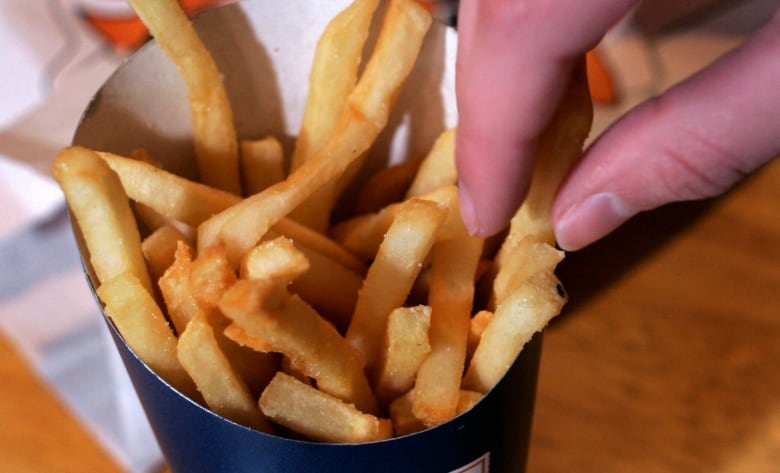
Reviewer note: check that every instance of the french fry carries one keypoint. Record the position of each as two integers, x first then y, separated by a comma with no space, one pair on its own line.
262,164
170,195
437,387
317,415
386,186
211,275
333,76
142,325
365,115
478,323
222,388
527,258
159,249
328,286
438,168
214,134
559,148
467,400
391,276
403,350
285,324
274,259
97,199
522,313
176,289
404,420
363,234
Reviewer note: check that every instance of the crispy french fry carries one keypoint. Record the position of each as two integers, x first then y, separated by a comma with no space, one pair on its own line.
328,286
142,325
438,168
317,415
97,199
333,76
176,289
210,276
437,387
391,276
365,115
262,164
524,312
190,202
363,234
159,249
467,400
214,134
222,388
527,258
404,420
277,259
403,350
172,196
385,187
478,323
285,324
559,148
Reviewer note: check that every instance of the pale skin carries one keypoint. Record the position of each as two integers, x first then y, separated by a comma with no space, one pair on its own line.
694,141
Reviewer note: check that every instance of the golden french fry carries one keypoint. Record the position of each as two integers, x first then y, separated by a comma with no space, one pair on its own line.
385,187
333,76
522,261
142,325
317,415
453,269
285,324
478,323
404,420
438,168
363,234
190,202
176,289
403,350
97,199
525,311
277,259
159,249
365,115
559,148
210,276
170,195
328,286
222,388
467,400
262,164
214,134
391,276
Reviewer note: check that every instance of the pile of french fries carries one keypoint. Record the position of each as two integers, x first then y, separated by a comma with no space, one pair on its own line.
243,292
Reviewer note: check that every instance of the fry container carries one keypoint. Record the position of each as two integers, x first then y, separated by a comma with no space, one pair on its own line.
264,49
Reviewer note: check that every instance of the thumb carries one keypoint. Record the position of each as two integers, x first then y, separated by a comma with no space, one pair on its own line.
694,141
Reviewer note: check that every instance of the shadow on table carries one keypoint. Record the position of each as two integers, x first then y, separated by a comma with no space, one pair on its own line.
587,272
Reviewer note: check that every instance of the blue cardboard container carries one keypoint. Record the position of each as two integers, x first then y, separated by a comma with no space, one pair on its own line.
264,50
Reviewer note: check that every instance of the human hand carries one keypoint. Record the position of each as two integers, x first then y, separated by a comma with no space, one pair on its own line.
694,141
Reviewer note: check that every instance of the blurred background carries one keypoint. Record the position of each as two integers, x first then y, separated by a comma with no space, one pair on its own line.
664,359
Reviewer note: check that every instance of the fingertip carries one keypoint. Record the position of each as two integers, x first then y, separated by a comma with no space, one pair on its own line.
589,220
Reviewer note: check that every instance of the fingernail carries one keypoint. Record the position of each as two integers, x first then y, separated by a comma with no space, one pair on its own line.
590,219
468,212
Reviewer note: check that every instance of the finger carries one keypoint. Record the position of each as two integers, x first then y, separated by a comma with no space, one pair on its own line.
513,62
694,141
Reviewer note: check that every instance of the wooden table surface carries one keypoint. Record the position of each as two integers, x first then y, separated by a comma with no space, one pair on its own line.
665,359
